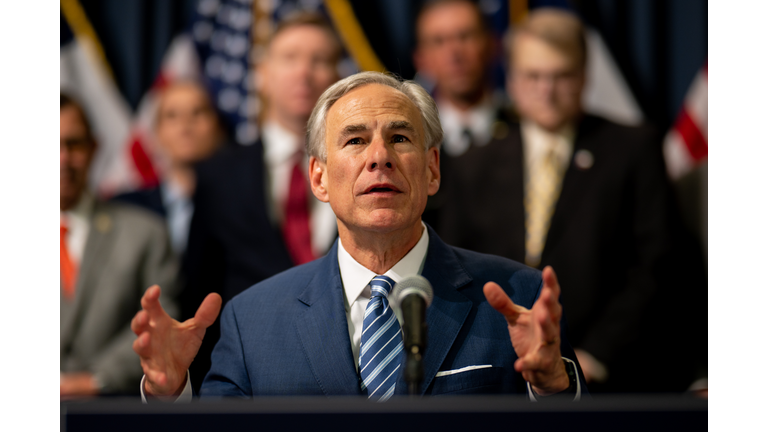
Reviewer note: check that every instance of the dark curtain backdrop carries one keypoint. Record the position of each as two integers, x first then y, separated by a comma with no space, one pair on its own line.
659,45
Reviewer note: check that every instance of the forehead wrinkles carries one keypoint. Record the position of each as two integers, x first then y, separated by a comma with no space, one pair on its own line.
362,107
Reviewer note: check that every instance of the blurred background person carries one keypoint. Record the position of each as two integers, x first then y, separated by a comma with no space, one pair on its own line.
254,213
590,198
188,132
110,254
453,50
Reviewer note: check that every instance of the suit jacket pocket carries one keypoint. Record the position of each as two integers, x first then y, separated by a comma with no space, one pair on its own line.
473,381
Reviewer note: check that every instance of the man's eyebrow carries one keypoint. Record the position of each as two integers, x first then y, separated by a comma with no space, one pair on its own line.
401,125
353,129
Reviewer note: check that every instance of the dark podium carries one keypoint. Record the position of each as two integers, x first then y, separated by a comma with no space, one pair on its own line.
599,413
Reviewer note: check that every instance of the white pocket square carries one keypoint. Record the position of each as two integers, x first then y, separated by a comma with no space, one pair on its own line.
464,369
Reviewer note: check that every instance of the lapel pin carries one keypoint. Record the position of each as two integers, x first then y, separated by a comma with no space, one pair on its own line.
583,159
103,222
500,130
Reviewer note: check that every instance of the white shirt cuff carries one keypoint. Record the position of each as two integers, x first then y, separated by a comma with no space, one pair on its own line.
185,396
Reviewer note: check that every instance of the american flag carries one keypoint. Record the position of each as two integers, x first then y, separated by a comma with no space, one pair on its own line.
686,144
221,51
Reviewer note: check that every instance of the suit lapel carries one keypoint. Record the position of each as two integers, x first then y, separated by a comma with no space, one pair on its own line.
324,331
576,183
95,256
258,202
448,311
514,207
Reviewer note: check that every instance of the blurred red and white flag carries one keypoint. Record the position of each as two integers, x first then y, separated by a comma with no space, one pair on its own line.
686,143
180,63
85,74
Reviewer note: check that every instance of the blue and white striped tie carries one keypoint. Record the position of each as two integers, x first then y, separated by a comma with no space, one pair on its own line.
381,345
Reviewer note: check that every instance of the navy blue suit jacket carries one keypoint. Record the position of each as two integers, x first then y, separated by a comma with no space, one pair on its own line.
288,335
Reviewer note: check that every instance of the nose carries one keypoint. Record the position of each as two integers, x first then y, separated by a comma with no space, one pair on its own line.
545,86
304,68
379,156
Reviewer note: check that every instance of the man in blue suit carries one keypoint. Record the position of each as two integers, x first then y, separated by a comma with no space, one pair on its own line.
494,324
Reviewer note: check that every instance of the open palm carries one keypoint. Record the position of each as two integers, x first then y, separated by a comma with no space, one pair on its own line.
167,347
535,334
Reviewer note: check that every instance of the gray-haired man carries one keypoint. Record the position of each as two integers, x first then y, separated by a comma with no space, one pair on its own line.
373,145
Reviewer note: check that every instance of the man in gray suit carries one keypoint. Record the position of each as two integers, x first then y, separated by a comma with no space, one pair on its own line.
110,254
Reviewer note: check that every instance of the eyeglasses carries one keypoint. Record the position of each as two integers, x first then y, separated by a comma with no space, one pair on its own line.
565,79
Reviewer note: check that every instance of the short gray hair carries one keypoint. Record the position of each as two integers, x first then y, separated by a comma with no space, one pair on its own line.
433,131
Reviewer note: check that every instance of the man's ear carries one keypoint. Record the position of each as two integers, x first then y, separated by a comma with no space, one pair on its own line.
317,178
433,165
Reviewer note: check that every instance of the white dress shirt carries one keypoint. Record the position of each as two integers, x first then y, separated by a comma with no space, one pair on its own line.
280,149
178,215
478,120
356,280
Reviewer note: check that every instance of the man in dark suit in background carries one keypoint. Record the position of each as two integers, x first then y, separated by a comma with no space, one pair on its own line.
254,214
374,146
188,132
590,198
110,254
454,51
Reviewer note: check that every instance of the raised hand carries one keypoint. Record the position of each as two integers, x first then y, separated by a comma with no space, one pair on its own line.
535,334
167,347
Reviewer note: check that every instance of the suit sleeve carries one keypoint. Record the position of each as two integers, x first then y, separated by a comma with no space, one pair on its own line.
228,375
117,366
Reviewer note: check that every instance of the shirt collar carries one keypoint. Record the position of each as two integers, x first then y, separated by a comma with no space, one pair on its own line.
355,277
81,211
279,143
172,196
537,141
478,119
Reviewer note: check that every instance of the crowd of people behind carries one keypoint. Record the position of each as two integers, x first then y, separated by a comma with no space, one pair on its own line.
541,182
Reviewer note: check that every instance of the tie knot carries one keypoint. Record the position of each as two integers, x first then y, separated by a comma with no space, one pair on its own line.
381,286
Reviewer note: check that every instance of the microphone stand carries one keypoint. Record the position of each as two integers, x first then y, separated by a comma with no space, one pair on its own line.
415,341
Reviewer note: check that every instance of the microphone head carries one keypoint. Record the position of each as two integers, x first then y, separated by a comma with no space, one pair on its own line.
411,285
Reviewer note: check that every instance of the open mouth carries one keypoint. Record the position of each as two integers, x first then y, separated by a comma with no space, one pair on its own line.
382,188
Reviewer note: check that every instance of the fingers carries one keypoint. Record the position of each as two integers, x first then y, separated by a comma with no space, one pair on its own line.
550,280
528,363
208,311
499,300
150,302
140,322
547,312
141,345
156,378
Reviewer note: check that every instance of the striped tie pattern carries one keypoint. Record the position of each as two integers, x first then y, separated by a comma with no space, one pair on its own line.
542,191
381,344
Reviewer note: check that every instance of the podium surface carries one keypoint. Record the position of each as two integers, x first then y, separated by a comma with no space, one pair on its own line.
617,412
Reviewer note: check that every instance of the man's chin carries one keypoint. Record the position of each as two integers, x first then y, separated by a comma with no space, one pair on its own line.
389,220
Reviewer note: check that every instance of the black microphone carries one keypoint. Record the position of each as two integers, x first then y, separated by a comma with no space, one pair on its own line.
411,297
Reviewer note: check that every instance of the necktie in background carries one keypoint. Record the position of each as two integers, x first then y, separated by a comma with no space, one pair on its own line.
542,191
381,345
296,227
68,267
